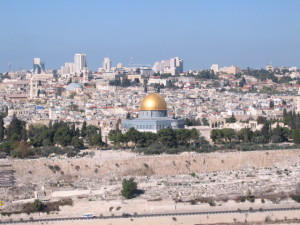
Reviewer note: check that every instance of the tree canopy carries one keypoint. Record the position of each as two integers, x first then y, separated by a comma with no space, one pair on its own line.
129,188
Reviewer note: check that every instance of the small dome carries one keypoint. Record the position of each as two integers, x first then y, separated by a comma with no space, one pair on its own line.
73,86
153,101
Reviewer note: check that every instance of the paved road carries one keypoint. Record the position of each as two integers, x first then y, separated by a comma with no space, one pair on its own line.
156,215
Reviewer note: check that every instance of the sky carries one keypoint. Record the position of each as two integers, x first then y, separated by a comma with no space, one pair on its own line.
225,32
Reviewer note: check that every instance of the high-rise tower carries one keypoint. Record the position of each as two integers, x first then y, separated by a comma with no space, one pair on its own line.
107,64
80,64
38,66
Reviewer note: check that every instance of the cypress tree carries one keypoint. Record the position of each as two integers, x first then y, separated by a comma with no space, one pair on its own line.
83,129
2,129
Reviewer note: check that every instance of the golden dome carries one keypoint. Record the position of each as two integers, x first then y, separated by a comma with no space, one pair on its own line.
153,101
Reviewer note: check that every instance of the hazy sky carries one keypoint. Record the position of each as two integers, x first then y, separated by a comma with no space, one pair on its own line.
227,32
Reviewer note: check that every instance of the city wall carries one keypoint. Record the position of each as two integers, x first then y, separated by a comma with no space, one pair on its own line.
41,171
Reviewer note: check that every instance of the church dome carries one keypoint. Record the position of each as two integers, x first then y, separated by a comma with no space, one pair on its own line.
153,101
74,86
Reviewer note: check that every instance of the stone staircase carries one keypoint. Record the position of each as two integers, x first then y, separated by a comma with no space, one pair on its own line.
7,178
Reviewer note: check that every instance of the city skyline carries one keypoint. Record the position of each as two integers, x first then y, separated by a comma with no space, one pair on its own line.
149,112
202,33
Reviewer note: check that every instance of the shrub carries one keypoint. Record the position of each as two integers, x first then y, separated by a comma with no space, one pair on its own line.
22,150
212,203
48,150
65,201
38,205
129,188
51,168
193,202
193,174
268,219
242,199
251,198
296,198
57,168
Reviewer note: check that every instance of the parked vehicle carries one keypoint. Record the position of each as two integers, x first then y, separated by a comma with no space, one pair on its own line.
88,215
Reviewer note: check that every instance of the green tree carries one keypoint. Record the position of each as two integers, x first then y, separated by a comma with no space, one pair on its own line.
115,136
183,136
96,140
6,147
62,136
38,205
15,129
125,83
83,129
2,129
245,135
77,132
285,79
39,135
134,135
296,136
192,122
5,113
261,119
229,134
196,138
205,122
77,143
231,119
266,131
150,138
279,134
243,82
73,130
24,135
129,188
216,135
91,130
167,137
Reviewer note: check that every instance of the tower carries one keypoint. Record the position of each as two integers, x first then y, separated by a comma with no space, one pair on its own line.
33,88
107,64
38,66
80,64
